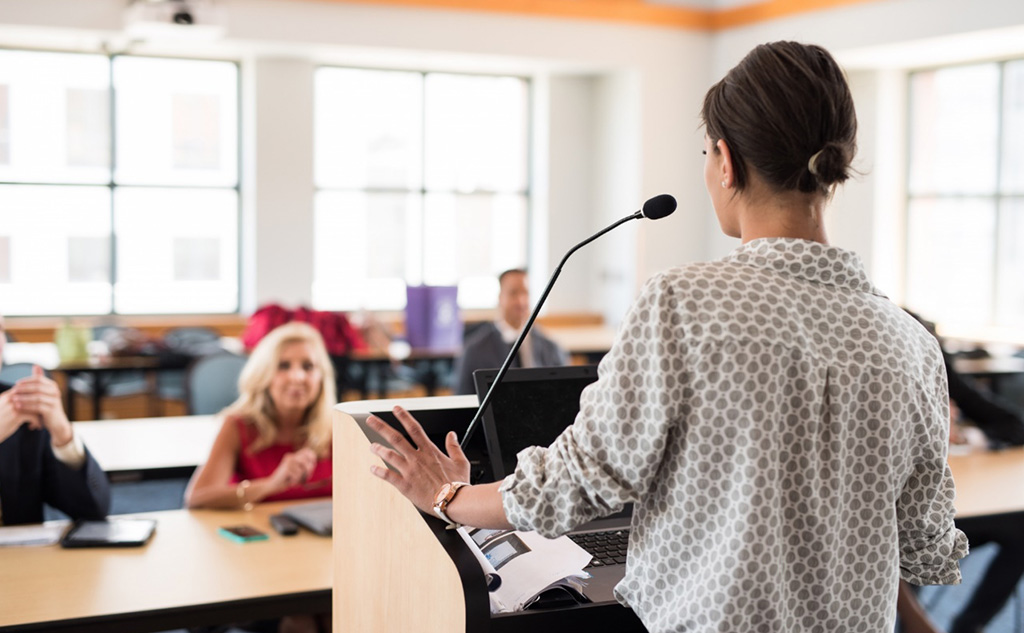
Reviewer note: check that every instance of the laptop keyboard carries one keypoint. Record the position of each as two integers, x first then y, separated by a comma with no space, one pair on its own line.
607,548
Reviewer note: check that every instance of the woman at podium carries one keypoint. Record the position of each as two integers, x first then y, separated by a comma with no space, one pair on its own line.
779,424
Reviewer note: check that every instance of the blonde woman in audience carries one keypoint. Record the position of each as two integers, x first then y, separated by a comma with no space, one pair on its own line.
275,441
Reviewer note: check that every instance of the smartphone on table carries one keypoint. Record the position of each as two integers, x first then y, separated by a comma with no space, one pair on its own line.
242,533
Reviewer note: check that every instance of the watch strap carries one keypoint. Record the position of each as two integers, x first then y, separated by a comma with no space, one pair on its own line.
441,505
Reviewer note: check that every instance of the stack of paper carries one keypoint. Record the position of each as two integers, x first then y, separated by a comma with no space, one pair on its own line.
519,566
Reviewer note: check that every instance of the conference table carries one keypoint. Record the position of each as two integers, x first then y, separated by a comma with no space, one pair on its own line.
586,344
431,366
994,370
187,575
99,370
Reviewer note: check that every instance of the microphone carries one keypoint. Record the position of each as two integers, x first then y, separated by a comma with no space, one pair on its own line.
654,209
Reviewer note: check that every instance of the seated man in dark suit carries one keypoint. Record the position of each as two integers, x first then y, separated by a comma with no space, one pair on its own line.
41,459
489,344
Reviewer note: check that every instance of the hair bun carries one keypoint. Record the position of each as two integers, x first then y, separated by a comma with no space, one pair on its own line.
787,115
828,165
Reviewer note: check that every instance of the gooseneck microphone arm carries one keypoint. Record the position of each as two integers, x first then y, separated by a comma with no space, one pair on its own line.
655,208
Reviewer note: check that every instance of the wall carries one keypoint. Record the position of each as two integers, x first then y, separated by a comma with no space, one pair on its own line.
617,104
612,94
569,163
282,186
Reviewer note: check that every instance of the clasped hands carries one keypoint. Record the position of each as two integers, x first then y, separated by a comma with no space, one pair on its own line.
295,469
35,401
418,471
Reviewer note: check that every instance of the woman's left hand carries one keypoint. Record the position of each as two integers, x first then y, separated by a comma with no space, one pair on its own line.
419,471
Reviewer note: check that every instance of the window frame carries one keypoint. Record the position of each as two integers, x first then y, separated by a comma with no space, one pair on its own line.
996,197
422,192
112,185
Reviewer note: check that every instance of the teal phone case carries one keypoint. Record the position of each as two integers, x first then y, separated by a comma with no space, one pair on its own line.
231,536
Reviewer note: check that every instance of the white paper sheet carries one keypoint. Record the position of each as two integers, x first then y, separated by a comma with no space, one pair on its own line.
526,563
47,533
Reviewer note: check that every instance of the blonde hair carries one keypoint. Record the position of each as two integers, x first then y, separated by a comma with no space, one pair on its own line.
254,403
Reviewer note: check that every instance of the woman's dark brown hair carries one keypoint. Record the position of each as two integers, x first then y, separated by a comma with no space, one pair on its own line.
786,112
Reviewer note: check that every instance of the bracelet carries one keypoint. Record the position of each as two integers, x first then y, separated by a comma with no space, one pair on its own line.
240,493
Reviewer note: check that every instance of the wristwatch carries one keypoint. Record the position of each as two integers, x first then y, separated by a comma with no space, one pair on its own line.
443,498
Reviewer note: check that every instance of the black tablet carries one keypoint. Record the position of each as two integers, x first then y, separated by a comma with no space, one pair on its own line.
109,533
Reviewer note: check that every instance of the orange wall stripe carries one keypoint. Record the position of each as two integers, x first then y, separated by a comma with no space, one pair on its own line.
629,11
771,10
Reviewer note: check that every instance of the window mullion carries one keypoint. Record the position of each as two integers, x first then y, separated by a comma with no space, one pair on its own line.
112,109
423,177
997,198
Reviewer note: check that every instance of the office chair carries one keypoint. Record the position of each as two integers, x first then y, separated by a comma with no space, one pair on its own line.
188,341
197,341
211,383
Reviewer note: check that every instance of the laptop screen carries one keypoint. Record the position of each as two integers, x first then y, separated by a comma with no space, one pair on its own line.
531,407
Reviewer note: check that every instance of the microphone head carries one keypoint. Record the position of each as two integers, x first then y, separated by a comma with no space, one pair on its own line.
659,206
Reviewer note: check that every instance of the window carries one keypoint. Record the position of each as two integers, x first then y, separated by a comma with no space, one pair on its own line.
965,215
421,179
131,209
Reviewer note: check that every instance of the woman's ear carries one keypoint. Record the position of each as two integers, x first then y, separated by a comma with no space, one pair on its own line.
725,164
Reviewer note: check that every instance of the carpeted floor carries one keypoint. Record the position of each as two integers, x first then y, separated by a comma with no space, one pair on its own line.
147,496
943,603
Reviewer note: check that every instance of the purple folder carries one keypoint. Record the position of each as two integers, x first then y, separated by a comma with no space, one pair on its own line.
432,318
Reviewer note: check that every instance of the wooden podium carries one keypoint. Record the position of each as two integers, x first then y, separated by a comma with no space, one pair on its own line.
398,570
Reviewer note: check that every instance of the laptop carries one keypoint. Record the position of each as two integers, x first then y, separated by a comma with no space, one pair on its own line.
531,407
315,516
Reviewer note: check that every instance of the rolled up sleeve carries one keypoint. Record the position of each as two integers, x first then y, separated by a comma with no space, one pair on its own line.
930,545
612,452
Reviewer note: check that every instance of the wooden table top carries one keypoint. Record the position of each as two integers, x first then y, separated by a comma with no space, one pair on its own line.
185,564
988,482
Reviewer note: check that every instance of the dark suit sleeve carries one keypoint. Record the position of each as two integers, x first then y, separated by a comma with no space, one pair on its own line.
551,355
472,359
463,376
484,349
81,494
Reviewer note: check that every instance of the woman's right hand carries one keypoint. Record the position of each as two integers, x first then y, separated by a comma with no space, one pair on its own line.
294,469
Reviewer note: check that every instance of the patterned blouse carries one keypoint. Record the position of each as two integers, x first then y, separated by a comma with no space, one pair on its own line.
782,429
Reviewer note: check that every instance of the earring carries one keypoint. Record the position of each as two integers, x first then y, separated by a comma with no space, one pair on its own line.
723,184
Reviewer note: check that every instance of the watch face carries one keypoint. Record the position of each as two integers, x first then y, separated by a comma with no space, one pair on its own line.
443,493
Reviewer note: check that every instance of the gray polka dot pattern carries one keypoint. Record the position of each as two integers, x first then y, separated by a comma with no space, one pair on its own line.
782,428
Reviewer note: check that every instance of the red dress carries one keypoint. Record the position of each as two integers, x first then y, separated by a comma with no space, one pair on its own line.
263,464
